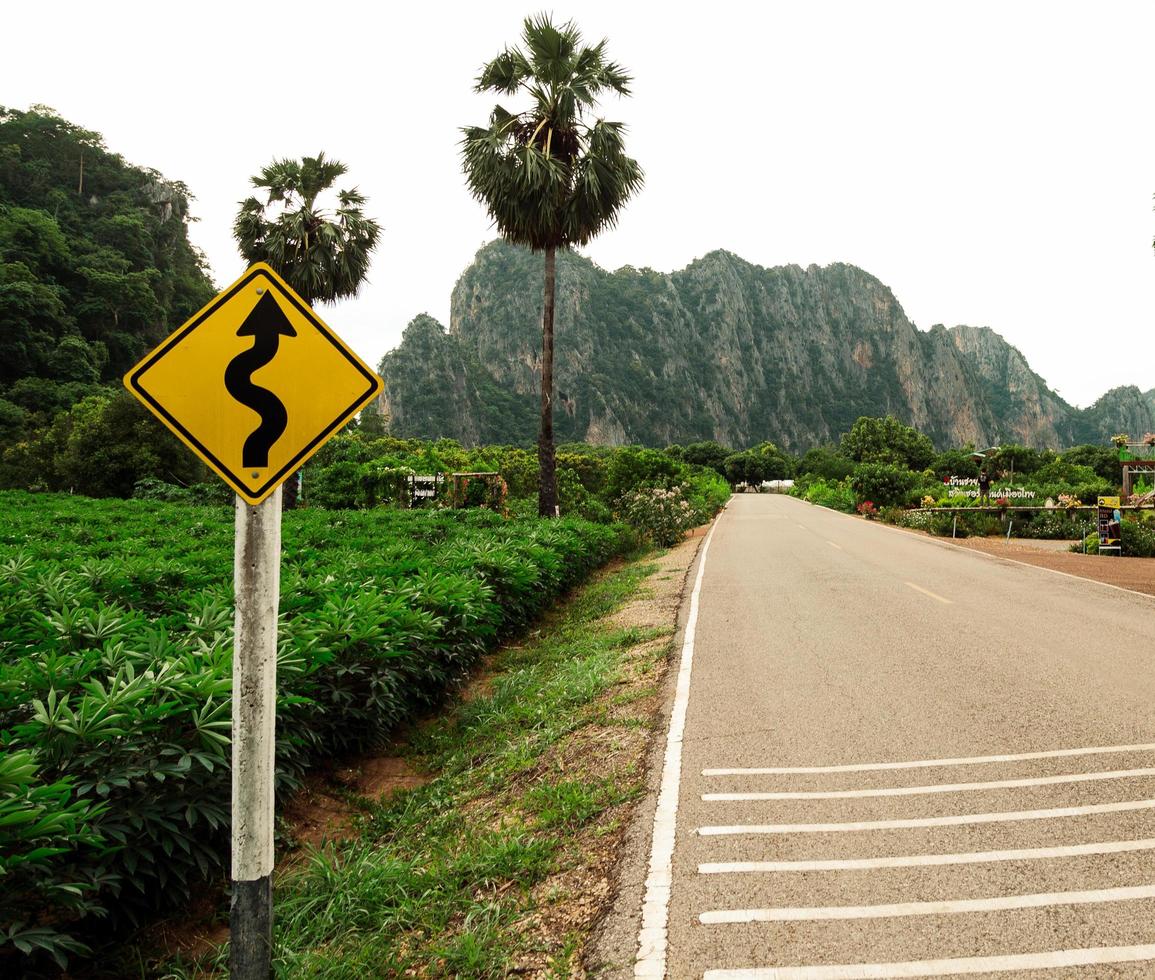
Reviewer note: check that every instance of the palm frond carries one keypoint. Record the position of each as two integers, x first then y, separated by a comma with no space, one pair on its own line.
546,177
323,256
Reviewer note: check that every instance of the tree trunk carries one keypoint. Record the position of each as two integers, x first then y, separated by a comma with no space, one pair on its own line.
547,464
291,488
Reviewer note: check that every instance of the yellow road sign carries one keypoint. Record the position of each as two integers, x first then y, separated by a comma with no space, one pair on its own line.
254,383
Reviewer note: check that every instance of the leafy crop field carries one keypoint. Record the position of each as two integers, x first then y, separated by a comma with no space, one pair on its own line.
115,663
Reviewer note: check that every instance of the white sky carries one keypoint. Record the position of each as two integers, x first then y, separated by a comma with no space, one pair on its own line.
993,163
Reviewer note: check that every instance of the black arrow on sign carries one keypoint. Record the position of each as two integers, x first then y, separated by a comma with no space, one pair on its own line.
266,324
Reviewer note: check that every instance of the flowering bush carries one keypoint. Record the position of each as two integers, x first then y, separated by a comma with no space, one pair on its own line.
868,510
1002,502
928,501
662,515
1149,439
1121,439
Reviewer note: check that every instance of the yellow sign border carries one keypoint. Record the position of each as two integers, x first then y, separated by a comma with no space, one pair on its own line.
133,382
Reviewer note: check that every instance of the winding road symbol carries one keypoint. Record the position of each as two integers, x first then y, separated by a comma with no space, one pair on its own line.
281,400
266,324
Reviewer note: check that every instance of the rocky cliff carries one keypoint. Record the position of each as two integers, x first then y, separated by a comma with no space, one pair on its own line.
720,350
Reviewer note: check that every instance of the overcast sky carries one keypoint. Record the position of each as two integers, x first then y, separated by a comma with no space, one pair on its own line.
993,163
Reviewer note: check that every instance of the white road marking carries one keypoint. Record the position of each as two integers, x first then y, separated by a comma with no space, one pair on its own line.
854,794
804,527
833,545
950,907
1050,960
933,595
947,543
931,763
954,821
653,935
926,860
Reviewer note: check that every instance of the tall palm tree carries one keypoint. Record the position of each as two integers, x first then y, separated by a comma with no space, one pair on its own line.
323,254
548,176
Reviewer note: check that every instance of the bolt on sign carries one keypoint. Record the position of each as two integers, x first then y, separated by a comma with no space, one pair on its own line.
254,383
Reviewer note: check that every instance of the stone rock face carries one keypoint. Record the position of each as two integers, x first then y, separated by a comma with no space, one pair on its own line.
720,350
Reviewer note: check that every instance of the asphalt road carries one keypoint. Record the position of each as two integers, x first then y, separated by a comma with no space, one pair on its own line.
825,641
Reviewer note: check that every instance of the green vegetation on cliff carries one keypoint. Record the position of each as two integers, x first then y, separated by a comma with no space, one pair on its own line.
95,265
722,350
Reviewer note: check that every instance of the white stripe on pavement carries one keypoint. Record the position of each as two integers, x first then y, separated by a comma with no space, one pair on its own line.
949,907
931,763
926,860
653,936
854,794
933,595
1050,960
833,545
954,821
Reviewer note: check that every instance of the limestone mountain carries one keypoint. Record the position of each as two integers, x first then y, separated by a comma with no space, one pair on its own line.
721,350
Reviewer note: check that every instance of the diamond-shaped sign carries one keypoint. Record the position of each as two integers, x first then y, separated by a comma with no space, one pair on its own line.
254,384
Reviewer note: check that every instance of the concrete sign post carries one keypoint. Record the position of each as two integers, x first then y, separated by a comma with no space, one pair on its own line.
254,384
257,574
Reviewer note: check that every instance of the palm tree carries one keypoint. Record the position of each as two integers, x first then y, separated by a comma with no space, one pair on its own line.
322,254
549,178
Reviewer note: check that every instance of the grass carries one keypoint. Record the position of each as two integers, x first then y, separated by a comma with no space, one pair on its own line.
442,880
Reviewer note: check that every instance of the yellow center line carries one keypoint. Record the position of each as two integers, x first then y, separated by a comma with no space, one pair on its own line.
919,588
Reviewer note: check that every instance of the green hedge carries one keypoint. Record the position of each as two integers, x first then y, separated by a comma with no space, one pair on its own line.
115,663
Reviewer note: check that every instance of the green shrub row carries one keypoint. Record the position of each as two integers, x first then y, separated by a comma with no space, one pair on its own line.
1138,538
115,669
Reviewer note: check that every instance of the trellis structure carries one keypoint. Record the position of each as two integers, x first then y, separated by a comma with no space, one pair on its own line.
495,489
1138,459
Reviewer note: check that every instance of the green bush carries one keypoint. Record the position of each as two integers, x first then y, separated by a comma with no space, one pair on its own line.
659,514
885,484
115,663
1053,525
632,467
836,495
825,462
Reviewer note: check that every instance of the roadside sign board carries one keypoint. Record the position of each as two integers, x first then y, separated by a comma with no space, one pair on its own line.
1110,524
254,383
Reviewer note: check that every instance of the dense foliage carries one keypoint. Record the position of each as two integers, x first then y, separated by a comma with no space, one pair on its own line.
115,662
95,266
884,468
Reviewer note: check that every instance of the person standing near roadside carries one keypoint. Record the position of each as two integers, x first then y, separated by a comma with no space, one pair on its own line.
984,486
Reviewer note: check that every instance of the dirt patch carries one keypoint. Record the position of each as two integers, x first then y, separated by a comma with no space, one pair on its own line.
199,930
325,808
1137,574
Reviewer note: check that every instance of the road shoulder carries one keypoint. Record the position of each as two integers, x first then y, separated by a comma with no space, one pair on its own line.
613,946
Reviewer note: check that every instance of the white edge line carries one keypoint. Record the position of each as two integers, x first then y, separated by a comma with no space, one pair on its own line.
932,763
949,907
833,545
1049,960
909,822
856,794
928,860
944,543
652,937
